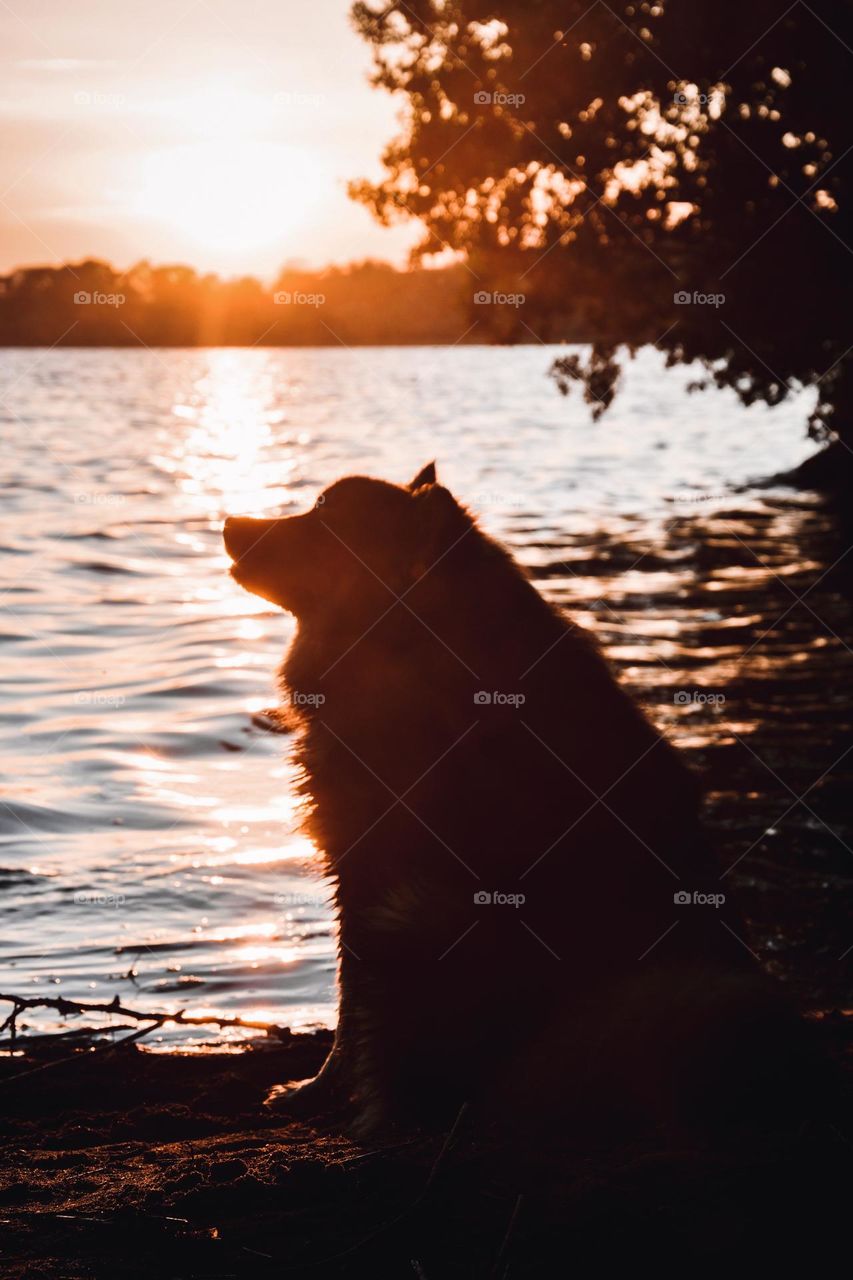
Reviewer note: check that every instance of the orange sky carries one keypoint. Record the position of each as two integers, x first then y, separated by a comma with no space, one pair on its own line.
220,133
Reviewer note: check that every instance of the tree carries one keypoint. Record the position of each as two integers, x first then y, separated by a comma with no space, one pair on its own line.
676,172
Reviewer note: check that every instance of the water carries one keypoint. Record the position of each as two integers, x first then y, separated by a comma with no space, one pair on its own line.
149,844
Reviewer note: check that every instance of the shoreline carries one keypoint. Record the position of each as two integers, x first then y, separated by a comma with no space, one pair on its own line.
123,1162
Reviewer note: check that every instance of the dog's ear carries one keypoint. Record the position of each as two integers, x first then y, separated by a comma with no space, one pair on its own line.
426,475
441,522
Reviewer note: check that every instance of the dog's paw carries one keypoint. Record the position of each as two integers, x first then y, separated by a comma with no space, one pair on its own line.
302,1097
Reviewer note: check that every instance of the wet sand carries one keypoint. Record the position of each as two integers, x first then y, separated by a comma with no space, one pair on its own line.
119,1162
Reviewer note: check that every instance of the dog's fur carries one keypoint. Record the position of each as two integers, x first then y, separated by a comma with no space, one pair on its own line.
423,795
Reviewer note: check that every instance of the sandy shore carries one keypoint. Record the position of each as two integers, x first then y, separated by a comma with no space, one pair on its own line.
123,1163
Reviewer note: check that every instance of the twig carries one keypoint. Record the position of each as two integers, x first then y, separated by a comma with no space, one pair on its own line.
137,1035
448,1143
154,1020
114,1006
380,1151
499,1270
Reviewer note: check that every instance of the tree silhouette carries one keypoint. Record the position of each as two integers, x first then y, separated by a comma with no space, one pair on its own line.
92,304
614,160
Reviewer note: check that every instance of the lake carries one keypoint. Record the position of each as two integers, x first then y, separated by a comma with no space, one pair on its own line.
150,840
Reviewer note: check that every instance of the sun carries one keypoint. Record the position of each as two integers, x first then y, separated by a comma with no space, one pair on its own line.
230,196
233,178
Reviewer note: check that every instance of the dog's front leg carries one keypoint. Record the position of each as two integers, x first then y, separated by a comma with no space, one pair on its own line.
333,1085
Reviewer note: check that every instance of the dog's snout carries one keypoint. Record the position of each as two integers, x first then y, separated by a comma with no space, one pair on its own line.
241,534
268,556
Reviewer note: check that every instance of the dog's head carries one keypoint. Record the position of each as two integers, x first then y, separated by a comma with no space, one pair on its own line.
363,543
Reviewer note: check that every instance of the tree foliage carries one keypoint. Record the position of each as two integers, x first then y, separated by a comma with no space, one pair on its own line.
623,157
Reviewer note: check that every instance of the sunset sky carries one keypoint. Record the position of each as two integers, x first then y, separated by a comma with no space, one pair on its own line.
220,133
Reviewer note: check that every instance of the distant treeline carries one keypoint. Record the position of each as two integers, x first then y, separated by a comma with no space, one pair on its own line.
91,304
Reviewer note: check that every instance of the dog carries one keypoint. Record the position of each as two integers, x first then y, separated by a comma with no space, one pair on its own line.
509,839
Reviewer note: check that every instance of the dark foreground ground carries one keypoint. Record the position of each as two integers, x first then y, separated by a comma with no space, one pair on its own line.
121,1163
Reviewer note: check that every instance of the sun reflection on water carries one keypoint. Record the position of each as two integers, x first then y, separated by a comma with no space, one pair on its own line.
236,427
